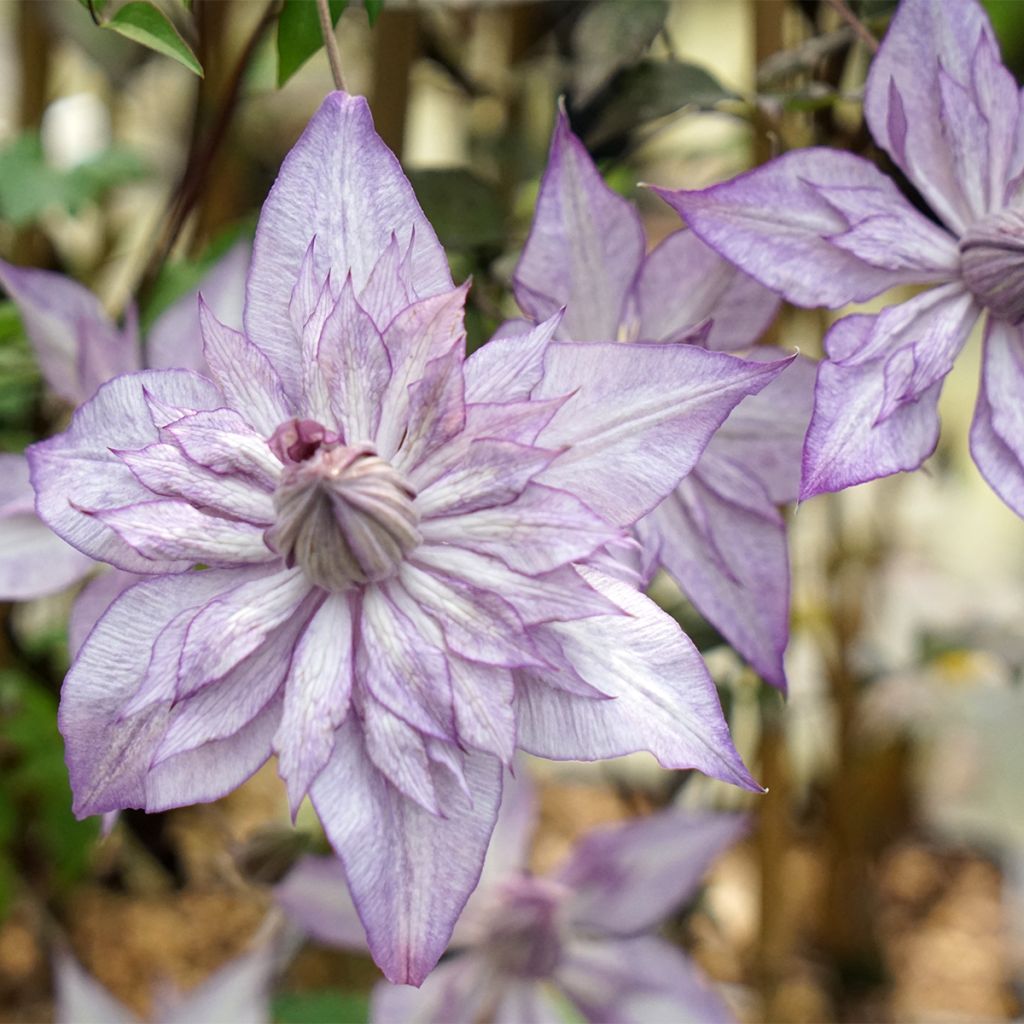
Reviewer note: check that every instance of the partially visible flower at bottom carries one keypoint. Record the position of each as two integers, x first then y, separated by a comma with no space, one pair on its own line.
526,945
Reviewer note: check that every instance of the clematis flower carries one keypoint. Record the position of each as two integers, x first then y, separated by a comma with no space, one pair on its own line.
720,533
825,228
398,549
238,991
527,945
78,348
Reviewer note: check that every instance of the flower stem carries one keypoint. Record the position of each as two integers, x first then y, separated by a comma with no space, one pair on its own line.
330,43
855,23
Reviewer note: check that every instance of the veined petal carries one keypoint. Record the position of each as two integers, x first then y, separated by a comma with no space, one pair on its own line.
409,900
511,365
728,553
460,989
820,227
390,284
175,339
540,530
314,894
77,344
665,700
79,465
633,981
640,419
316,696
684,282
997,434
483,696
585,247
437,409
92,601
341,184
249,382
917,120
171,531
625,879
34,561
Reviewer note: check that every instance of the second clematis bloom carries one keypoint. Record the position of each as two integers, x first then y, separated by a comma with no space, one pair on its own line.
720,533
826,228
375,558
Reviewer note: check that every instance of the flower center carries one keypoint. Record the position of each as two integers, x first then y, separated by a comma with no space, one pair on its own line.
523,935
992,263
344,515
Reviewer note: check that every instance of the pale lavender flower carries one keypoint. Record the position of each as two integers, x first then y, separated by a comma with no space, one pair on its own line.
528,947
826,228
237,993
79,348
399,549
720,534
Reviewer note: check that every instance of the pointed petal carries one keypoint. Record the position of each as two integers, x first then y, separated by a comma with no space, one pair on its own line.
81,999
92,601
80,466
316,698
409,872
627,878
341,184
665,700
725,546
510,366
222,441
483,698
931,52
634,981
785,224
684,282
238,991
242,372
34,561
997,434
457,990
437,410
585,247
175,340
75,341
314,894
874,407
639,419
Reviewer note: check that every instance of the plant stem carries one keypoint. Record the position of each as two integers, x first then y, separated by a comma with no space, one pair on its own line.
330,43
855,23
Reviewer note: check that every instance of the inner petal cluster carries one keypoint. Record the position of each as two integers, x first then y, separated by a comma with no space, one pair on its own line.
992,262
345,516
523,935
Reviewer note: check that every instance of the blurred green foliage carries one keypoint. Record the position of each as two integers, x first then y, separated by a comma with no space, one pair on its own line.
20,381
299,35
145,23
327,1006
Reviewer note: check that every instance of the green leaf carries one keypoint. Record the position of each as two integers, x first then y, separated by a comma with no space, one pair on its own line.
464,210
146,24
328,1006
373,9
299,35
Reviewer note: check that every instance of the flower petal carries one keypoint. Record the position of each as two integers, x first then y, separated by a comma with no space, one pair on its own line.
997,434
821,227
238,991
460,989
639,419
409,900
510,366
81,999
665,700
585,247
34,561
316,696
314,894
483,697
341,184
684,282
626,879
75,341
723,541
79,466
92,601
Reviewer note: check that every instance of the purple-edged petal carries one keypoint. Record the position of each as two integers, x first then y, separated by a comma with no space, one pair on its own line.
75,341
341,184
665,700
510,365
635,981
483,698
875,399
457,991
997,433
317,694
315,895
93,600
723,541
79,466
585,246
940,102
108,755
820,227
627,878
174,341
639,418
408,900
684,282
